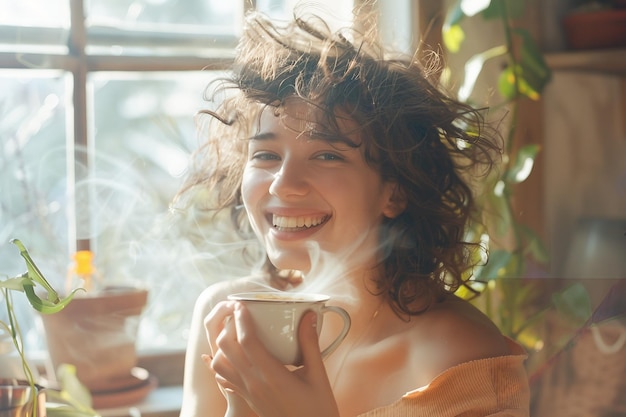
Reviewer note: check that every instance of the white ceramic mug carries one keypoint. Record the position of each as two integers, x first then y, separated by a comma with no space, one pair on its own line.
277,317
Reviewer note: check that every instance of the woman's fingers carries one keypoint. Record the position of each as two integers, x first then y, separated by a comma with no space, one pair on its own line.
246,335
214,322
230,361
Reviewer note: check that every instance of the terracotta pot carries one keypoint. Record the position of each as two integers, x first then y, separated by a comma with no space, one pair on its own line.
16,399
596,29
97,334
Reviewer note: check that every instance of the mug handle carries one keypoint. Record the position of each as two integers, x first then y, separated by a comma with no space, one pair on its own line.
344,332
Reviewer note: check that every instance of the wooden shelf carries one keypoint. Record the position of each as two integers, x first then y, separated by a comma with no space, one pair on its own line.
609,61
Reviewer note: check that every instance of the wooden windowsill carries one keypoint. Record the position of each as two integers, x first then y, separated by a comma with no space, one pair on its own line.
162,402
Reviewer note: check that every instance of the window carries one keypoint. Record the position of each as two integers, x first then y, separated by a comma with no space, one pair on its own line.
97,124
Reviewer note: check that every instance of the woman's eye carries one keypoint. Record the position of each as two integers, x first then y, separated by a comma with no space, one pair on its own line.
265,156
327,156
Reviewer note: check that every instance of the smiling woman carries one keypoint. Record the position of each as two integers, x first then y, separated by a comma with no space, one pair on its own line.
346,160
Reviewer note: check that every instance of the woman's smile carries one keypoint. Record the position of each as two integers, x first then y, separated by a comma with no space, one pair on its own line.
297,223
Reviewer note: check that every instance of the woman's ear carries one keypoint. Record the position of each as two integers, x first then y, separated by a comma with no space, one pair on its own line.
396,203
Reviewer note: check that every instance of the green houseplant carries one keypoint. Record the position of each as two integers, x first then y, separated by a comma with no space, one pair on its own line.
547,319
72,401
511,245
518,305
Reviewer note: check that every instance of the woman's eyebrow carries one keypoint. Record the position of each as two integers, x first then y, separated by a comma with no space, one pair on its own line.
263,136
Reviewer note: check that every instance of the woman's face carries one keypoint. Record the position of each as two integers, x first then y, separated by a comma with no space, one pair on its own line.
304,193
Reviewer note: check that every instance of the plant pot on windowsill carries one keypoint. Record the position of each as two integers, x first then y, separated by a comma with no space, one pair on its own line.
596,29
97,334
16,399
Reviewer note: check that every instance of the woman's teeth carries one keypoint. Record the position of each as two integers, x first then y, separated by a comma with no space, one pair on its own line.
284,222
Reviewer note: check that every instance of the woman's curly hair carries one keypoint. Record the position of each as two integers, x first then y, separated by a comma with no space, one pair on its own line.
413,134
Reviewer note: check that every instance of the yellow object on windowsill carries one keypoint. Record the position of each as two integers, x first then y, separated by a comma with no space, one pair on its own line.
82,272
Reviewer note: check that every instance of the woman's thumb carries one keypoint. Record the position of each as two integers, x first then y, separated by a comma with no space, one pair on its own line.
309,341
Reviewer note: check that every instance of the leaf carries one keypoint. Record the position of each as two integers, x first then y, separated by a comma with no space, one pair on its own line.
453,37
498,260
466,293
533,66
34,273
534,244
46,306
474,66
73,391
511,84
523,164
573,303
506,84
498,204
14,284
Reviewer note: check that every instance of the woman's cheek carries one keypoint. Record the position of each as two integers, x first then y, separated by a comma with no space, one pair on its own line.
254,187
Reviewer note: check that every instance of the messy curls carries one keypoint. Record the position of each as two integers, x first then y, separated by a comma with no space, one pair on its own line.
413,134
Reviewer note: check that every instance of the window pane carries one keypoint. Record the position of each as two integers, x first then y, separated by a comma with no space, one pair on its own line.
337,13
50,13
33,25
190,12
33,162
148,27
144,133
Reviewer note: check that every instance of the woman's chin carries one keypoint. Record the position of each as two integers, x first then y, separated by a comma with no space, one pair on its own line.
291,262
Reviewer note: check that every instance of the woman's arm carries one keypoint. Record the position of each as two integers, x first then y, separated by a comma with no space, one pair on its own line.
201,394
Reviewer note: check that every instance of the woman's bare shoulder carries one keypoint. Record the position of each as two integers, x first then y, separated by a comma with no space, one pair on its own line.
454,332
220,291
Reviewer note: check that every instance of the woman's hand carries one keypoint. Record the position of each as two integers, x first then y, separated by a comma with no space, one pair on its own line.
243,366
214,323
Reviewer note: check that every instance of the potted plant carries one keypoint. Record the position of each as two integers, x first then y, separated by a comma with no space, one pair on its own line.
21,395
97,333
596,24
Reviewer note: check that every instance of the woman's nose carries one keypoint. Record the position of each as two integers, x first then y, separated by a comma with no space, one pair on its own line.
290,180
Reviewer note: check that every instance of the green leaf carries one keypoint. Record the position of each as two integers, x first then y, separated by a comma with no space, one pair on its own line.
534,68
453,37
46,306
523,164
499,209
535,245
34,274
506,84
573,303
511,84
497,263
15,283
473,68
73,390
